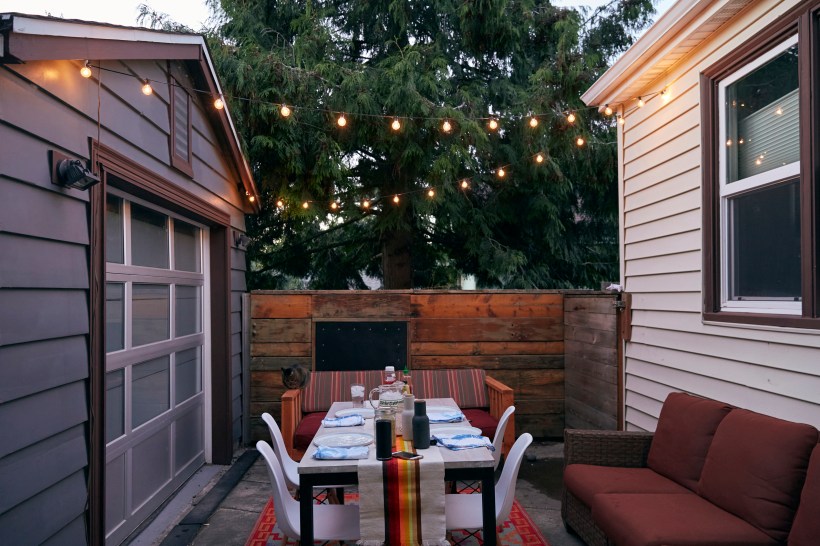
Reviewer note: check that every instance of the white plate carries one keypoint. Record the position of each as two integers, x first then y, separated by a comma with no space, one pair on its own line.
347,439
452,430
367,413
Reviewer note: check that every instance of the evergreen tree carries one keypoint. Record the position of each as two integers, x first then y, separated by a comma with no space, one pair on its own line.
544,225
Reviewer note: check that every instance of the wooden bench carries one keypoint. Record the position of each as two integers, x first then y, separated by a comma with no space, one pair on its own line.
481,398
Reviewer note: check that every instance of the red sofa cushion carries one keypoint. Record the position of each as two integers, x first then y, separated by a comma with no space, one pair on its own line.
671,519
306,429
481,418
684,433
756,467
585,481
806,527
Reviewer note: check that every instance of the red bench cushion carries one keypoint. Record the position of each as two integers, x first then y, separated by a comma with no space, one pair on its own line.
806,527
465,386
585,481
324,388
671,519
756,467
481,418
684,433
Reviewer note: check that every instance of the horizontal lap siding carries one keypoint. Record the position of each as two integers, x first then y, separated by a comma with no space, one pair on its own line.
517,337
772,371
44,277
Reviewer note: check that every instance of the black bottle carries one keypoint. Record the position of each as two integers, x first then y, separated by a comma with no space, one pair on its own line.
421,425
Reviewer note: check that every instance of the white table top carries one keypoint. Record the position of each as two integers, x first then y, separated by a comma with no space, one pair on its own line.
465,458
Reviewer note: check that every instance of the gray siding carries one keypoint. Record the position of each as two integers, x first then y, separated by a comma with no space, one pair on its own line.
44,275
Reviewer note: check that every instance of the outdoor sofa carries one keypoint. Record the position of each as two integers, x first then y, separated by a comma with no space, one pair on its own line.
711,474
481,398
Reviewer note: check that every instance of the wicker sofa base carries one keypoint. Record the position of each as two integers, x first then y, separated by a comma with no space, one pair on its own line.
578,519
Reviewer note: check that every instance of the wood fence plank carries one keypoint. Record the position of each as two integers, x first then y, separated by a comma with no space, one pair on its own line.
597,321
482,305
487,329
356,305
488,348
590,335
277,363
281,330
607,356
281,349
487,362
270,306
591,304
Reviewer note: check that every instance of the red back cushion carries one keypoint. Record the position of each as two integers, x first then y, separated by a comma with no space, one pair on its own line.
324,388
806,528
685,430
756,467
465,386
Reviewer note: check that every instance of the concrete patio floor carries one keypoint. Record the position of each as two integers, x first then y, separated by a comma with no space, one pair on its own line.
229,522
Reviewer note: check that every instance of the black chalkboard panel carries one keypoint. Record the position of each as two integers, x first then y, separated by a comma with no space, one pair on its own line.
360,345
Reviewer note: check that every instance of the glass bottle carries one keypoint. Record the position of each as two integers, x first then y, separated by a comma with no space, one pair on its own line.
407,417
389,375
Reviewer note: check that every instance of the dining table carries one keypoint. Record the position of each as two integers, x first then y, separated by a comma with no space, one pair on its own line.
461,465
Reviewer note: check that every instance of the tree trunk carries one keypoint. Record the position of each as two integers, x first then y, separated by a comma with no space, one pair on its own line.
397,265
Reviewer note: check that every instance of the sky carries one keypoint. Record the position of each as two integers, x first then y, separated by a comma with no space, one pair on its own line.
192,13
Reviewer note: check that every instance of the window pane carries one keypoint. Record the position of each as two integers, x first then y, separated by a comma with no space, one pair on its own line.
187,310
150,390
151,313
114,405
114,316
765,243
188,374
113,230
186,247
762,118
149,237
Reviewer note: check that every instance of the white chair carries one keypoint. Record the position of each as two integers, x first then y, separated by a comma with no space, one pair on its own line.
464,511
330,521
498,439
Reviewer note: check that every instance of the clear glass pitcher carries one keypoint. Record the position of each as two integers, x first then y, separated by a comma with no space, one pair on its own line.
389,397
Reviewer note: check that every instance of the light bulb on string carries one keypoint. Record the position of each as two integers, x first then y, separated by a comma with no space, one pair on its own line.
641,103
85,71
446,126
146,88
334,205
492,125
501,173
341,121
219,104
666,95
306,205
465,184
396,125
431,193
580,141
570,118
539,158
366,204
396,199
284,111
533,122
621,120
607,110
280,204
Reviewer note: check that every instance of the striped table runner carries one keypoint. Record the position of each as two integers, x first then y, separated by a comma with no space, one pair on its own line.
401,503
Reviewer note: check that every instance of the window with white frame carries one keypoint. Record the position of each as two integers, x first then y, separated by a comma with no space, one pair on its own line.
759,184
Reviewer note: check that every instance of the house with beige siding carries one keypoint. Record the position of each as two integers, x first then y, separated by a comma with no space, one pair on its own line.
123,195
719,200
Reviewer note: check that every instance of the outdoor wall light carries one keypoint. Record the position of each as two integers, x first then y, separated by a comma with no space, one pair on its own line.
70,173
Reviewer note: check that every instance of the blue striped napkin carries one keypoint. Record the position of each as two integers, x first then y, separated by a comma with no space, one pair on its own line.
463,441
346,421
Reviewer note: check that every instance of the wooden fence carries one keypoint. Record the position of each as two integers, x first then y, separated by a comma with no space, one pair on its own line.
518,337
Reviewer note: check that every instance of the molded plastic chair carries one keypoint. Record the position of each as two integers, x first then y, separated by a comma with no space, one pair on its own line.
289,466
330,521
464,511
498,439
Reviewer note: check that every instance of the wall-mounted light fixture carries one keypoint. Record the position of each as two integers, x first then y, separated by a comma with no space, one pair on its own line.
70,173
240,240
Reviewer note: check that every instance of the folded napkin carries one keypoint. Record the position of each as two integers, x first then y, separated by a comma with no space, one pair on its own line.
463,441
327,453
454,416
346,421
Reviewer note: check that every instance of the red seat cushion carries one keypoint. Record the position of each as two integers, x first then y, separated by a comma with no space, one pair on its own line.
671,520
586,480
482,419
806,527
684,433
756,467
306,429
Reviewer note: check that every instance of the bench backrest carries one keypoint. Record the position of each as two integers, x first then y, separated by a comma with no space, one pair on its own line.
324,388
466,386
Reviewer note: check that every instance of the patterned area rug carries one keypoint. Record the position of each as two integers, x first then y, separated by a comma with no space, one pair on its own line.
519,530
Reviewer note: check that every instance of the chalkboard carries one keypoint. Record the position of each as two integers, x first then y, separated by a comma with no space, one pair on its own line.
360,345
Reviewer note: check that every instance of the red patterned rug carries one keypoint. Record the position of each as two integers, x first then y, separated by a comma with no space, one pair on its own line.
519,530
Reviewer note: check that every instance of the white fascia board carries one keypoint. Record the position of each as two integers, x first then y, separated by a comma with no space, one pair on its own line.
645,50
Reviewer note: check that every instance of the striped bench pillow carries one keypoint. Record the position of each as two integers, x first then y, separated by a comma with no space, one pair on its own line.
465,386
324,388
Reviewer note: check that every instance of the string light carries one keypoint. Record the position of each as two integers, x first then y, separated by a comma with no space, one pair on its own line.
431,193
621,120
501,173
280,204
146,88
251,198
446,126
396,125
539,158
284,111
580,141
305,205
396,199
341,121
465,184
607,110
334,205
641,103
533,122
366,204
219,104
492,125
571,118
85,71
666,95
